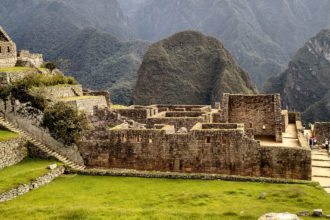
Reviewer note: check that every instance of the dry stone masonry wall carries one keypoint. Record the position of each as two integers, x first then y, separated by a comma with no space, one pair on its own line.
35,184
12,152
262,113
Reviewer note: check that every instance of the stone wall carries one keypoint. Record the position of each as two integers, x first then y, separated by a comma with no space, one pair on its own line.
12,152
202,108
322,131
223,151
285,119
137,114
260,112
57,92
35,59
10,77
8,56
86,103
34,184
178,122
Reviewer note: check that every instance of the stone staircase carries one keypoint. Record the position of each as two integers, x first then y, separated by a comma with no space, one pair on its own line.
41,146
321,168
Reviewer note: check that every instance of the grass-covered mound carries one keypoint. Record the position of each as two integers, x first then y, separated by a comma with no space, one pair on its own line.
90,197
7,135
23,172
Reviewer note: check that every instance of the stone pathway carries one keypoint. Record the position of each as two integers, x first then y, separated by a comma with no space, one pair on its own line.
321,168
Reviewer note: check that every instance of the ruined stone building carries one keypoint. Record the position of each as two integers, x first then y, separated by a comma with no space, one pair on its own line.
9,57
322,131
248,136
8,53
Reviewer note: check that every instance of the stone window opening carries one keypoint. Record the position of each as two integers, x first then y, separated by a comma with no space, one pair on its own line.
0,49
208,140
251,125
8,49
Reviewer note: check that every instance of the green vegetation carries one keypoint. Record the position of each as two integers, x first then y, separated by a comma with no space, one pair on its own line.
15,69
7,135
191,69
23,172
64,123
21,89
118,107
90,197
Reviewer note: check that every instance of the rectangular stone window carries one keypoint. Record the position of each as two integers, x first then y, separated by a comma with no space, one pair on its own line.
8,49
208,140
0,49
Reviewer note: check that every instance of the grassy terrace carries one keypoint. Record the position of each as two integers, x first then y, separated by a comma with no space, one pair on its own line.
15,69
23,172
90,197
7,135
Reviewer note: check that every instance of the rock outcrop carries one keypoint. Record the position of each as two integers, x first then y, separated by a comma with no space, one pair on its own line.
189,68
304,86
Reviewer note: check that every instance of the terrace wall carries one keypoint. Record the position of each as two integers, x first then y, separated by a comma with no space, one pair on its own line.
12,152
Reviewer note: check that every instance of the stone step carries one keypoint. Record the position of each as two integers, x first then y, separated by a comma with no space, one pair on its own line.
317,163
318,171
40,145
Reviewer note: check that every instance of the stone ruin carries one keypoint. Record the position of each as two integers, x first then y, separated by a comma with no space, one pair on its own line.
10,57
248,135
322,131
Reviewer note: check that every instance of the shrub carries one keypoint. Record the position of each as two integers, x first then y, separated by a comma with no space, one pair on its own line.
5,92
64,123
51,66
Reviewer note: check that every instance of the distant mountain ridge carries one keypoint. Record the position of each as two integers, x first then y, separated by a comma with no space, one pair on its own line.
188,68
93,35
305,85
262,35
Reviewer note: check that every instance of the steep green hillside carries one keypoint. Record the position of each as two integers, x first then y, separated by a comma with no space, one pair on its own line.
101,61
189,68
305,84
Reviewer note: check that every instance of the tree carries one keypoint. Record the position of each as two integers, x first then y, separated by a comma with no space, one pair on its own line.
64,123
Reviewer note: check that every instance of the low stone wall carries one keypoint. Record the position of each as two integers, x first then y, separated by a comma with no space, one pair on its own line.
35,184
35,59
58,92
87,104
192,176
10,77
12,152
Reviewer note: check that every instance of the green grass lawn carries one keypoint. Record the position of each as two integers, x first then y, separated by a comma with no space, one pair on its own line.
7,135
90,197
23,172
